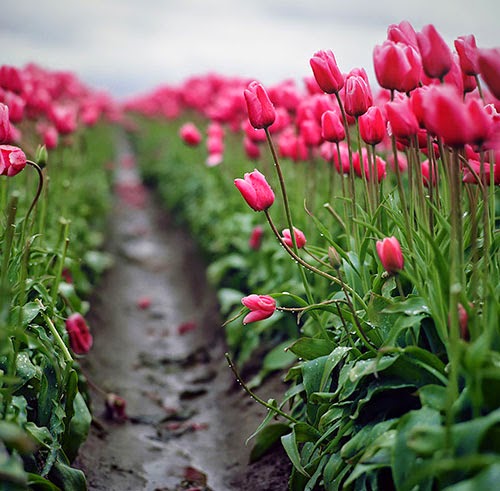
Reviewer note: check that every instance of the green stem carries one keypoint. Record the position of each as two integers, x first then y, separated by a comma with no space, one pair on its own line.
255,396
55,333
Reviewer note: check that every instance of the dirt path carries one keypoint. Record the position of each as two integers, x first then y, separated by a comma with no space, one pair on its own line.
187,419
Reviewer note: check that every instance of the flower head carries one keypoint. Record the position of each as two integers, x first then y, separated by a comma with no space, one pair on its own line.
300,238
80,338
261,307
326,71
390,254
261,112
255,190
12,160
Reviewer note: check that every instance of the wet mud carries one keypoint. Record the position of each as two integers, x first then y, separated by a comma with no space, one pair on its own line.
159,344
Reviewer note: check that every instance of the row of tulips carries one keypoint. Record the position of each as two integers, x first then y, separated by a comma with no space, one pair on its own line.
51,229
391,273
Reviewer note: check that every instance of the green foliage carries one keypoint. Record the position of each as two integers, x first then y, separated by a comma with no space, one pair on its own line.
392,386
43,403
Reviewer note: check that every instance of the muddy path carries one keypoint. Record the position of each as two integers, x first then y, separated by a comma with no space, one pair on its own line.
158,343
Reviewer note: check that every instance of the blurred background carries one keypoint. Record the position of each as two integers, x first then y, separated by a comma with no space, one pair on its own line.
129,46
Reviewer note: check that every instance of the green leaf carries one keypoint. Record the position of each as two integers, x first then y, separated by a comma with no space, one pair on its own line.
68,478
14,437
487,479
290,445
78,428
413,305
311,348
266,438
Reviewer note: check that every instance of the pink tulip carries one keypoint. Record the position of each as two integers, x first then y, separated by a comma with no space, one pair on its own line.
332,129
80,338
310,131
357,97
261,307
190,134
255,190
467,54
436,54
372,126
390,254
326,71
252,150
4,124
255,240
402,33
261,112
489,66
397,66
12,160
403,122
300,238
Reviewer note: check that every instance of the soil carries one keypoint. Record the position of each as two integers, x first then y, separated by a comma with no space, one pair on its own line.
159,344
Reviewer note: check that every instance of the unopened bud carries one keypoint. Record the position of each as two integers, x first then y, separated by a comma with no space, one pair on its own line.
334,257
42,156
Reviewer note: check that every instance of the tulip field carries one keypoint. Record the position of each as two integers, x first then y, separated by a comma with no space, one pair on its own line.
350,227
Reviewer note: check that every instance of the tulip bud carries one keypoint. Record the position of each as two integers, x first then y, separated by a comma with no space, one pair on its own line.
261,112
467,54
358,97
300,238
390,254
41,156
261,307
255,190
334,258
80,338
4,124
489,65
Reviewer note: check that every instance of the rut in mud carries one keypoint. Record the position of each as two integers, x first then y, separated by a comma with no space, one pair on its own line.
159,344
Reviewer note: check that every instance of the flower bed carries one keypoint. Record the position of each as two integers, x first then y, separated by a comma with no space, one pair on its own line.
383,302
54,195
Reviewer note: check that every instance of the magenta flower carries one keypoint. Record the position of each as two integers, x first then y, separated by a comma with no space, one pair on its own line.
255,240
261,307
255,190
326,71
190,134
390,254
332,129
300,238
261,112
436,55
80,338
12,160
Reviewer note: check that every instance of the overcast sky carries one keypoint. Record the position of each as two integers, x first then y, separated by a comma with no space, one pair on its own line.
130,46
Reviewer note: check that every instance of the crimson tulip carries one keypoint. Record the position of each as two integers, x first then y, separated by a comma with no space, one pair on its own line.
255,190
326,71
467,54
436,54
261,307
255,240
300,238
372,126
80,338
332,129
261,112
390,254
190,134
12,160
489,66
357,97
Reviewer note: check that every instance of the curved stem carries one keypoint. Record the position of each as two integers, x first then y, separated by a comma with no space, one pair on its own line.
39,188
310,267
255,396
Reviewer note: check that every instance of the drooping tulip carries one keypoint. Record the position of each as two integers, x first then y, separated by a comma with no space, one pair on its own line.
255,190
261,307
12,160
79,335
300,238
390,254
261,112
